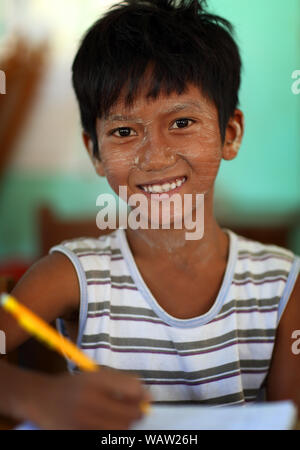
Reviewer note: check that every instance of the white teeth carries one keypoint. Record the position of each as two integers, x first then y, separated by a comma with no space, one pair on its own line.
158,188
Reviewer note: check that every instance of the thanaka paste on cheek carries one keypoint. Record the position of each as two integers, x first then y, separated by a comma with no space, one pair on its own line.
115,161
204,152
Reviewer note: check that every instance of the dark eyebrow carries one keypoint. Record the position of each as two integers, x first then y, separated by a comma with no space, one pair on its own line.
121,118
182,106
175,108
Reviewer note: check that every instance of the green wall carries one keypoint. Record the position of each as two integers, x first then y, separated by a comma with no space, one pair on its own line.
266,174
264,178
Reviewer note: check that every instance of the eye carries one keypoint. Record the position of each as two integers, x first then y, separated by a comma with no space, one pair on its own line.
122,132
182,123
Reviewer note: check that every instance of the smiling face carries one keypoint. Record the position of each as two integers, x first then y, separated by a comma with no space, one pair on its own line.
169,144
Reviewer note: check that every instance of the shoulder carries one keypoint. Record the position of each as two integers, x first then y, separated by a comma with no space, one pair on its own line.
49,288
52,277
276,269
260,252
82,245
267,265
89,258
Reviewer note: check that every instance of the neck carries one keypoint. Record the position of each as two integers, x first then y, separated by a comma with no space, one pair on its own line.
171,247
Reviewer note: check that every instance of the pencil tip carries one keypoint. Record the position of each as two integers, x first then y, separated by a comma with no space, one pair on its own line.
145,407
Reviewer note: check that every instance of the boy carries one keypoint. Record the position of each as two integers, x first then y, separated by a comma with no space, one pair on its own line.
207,320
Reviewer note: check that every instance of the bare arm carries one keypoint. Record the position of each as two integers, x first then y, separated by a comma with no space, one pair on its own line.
283,382
49,288
103,400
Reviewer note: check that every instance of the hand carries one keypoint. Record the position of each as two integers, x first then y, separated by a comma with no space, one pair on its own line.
107,400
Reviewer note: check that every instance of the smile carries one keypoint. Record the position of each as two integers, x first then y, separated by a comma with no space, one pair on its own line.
165,187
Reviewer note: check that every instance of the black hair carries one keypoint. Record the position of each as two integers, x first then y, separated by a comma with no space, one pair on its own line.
181,41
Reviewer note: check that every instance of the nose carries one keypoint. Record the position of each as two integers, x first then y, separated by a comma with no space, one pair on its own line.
155,154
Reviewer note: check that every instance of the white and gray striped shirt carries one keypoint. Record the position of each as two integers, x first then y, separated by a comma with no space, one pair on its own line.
221,357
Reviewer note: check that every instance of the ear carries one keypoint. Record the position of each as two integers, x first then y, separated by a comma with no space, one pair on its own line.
233,136
88,143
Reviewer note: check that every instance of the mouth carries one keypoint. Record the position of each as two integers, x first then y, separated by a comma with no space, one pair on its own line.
166,186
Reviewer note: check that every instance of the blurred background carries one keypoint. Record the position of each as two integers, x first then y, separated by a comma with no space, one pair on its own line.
48,188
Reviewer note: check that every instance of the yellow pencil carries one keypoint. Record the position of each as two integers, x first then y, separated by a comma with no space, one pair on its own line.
45,333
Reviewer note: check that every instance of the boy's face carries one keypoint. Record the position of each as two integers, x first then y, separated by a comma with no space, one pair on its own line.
165,139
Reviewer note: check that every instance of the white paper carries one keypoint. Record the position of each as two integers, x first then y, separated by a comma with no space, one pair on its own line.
262,416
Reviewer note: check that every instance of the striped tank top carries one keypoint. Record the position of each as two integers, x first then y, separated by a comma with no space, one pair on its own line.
219,358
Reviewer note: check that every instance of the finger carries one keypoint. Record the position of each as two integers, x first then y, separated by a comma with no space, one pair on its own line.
121,385
114,414
122,408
